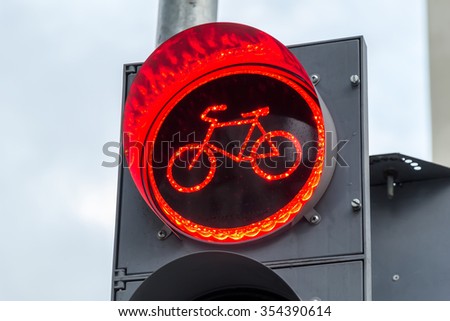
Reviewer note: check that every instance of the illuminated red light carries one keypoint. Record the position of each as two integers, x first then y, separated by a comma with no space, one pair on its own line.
186,64
250,118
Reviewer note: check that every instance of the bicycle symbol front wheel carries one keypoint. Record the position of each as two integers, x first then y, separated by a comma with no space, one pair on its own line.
187,177
275,167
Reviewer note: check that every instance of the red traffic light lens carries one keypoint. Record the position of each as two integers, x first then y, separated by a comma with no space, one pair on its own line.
223,133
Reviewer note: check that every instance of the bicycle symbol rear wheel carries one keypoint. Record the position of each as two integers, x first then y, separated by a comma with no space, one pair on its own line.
269,166
200,173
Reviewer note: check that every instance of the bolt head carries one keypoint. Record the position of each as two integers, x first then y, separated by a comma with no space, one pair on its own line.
315,79
162,234
315,219
356,204
354,79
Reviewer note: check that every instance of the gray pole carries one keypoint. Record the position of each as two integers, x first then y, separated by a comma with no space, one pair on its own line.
439,55
177,15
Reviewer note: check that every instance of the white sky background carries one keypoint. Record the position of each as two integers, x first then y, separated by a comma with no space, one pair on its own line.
60,99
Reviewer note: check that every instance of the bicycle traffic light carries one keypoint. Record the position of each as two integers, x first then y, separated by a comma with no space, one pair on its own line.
229,145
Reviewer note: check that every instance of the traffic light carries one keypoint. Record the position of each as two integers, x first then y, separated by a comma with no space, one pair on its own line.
242,178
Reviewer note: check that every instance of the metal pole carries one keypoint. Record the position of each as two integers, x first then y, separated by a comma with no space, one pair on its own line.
177,15
439,55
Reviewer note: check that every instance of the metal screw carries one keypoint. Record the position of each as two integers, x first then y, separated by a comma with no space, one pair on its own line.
315,79
162,235
395,277
315,219
356,204
355,80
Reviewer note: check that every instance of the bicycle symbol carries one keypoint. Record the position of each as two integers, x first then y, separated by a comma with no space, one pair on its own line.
250,118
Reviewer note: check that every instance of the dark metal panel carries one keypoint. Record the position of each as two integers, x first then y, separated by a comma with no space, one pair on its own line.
411,241
330,282
335,62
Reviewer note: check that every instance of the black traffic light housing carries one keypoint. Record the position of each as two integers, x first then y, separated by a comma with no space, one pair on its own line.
326,258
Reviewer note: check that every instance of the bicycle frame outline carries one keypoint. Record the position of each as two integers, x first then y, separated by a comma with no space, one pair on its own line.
250,118
247,119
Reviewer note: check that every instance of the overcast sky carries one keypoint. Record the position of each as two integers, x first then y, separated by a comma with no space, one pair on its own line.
60,100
